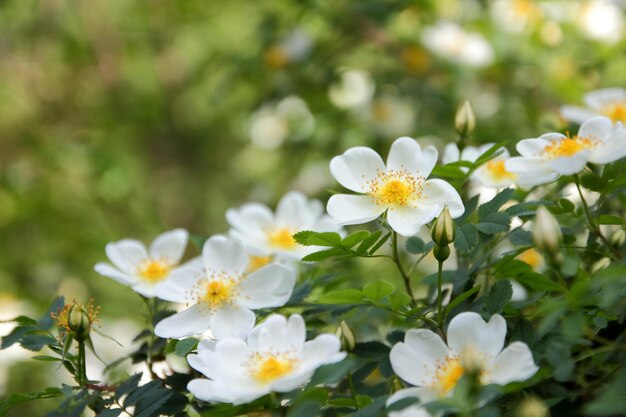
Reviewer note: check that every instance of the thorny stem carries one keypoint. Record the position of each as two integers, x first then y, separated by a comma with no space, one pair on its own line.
396,259
592,224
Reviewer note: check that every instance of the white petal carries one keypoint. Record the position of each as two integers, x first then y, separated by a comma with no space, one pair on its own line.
515,363
297,211
519,292
353,209
532,147
408,221
324,349
178,285
406,154
416,410
270,335
356,167
189,322
451,153
439,192
611,150
577,114
170,246
222,360
250,216
223,254
603,97
270,286
568,165
144,288
126,254
231,321
121,277
524,164
415,359
527,180
469,331
217,391
292,381
596,128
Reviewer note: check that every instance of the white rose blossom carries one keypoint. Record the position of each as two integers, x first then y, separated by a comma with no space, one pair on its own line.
434,368
145,269
546,158
275,357
220,295
268,235
400,187
608,102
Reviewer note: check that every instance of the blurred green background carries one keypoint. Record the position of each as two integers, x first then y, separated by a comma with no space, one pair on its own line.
121,118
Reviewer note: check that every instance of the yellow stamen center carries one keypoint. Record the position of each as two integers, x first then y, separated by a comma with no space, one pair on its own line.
616,112
216,293
282,238
567,146
270,368
258,262
448,375
395,188
498,171
154,271
532,258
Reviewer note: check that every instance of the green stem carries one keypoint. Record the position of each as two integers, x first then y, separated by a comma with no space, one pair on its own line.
396,259
439,300
592,224
352,391
82,365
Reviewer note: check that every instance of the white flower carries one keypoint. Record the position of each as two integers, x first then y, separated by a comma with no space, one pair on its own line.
602,20
609,102
141,269
546,158
389,115
452,42
275,357
434,368
268,234
220,295
400,187
355,89
491,174
271,125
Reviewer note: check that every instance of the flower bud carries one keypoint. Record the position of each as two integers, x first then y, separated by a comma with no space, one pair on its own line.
464,120
532,407
78,322
618,238
345,335
441,253
546,231
600,265
443,230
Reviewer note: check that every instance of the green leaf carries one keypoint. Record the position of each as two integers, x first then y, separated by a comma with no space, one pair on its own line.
45,358
368,242
593,182
399,299
493,223
490,153
493,205
309,238
15,399
325,254
470,208
184,346
466,238
332,373
458,300
341,297
610,219
448,171
46,322
354,238
16,335
499,296
539,282
127,386
36,342
415,245
378,290
198,241
379,243
521,237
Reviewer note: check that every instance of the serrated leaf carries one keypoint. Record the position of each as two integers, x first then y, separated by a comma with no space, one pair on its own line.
494,223
368,242
520,237
36,342
354,238
493,205
458,300
379,243
15,399
466,238
16,335
499,296
309,238
325,254
341,297
184,346
378,290
127,386
470,208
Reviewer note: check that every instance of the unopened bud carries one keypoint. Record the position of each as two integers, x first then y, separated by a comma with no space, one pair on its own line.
78,322
546,231
600,265
618,238
532,407
443,230
345,335
464,120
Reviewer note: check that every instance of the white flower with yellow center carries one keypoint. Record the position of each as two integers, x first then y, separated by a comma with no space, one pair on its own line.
434,368
546,158
219,294
275,357
492,174
608,102
400,187
266,234
144,269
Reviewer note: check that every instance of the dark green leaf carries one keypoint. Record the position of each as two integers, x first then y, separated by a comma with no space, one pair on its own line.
466,238
379,243
415,245
494,223
184,346
495,203
458,300
36,342
46,322
325,254
332,373
368,242
15,399
113,412
499,296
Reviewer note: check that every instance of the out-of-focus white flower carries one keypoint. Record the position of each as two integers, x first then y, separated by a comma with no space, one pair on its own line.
546,158
547,231
519,291
220,295
274,123
390,115
492,174
609,102
275,357
294,48
142,269
355,89
434,368
515,16
602,20
269,234
400,187
449,40
12,307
